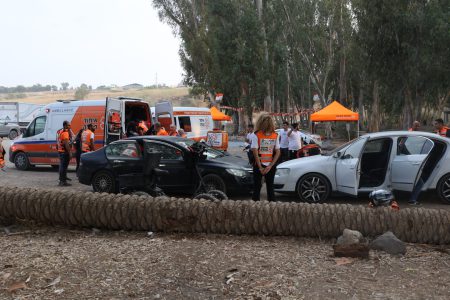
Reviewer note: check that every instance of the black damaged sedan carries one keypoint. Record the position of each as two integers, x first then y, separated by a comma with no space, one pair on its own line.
220,171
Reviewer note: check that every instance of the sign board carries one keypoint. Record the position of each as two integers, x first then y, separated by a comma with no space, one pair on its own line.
214,139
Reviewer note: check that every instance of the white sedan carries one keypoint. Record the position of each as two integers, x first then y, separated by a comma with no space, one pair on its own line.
385,160
307,137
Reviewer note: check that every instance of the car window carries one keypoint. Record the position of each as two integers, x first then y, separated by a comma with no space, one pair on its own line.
413,145
211,153
36,127
375,146
167,151
123,150
354,150
185,123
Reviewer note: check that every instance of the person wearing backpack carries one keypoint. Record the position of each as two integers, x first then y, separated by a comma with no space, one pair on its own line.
265,147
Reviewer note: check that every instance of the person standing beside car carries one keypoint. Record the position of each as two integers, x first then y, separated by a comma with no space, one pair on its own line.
2,155
284,142
294,139
160,130
77,145
63,146
440,128
248,140
265,147
87,139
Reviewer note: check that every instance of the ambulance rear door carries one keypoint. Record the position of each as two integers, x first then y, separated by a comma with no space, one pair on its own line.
114,119
164,114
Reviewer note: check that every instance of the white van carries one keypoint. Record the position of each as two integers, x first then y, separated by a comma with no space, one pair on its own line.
195,121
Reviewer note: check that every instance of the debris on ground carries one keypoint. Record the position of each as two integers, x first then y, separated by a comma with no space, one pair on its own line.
388,243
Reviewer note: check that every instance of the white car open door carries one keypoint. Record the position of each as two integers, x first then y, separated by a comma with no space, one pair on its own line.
114,119
407,165
348,164
164,114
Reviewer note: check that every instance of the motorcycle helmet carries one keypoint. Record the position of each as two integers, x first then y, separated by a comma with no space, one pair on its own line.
381,198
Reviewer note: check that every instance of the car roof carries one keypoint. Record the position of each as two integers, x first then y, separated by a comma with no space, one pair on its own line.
406,133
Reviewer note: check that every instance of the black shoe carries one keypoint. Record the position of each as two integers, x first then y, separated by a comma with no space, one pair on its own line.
414,203
67,178
64,183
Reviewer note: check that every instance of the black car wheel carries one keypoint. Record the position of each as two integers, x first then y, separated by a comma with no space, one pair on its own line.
21,161
13,134
214,182
313,188
104,182
208,197
443,189
218,194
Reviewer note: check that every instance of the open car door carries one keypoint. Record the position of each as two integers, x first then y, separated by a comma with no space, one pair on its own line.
348,166
164,114
407,166
114,119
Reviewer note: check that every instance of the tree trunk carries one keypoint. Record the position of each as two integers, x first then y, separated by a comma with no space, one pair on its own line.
361,107
268,98
164,214
374,122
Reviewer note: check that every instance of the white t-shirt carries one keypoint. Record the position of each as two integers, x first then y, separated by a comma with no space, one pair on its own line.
255,145
294,141
284,140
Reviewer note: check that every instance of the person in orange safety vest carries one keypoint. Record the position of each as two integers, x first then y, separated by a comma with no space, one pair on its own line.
173,130
142,127
64,149
159,129
415,126
87,139
2,155
265,147
440,128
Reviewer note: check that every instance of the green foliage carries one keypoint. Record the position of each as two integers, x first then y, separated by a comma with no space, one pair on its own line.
389,59
82,91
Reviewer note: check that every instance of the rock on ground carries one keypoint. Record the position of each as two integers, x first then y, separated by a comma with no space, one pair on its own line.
389,243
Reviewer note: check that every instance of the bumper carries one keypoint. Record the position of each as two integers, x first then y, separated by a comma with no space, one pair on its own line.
284,184
240,185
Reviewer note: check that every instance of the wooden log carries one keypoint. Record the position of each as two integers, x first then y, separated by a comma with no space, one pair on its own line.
353,250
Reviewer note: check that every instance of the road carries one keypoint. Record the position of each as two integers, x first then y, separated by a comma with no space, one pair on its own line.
46,177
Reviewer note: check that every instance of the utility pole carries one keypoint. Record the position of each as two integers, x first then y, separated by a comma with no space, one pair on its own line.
156,79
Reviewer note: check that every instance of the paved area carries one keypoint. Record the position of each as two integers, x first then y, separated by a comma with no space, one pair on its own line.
46,177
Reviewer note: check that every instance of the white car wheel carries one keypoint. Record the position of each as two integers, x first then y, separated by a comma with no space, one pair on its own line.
313,188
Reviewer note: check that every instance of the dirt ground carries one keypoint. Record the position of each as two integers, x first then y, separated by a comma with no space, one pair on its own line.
58,263
39,262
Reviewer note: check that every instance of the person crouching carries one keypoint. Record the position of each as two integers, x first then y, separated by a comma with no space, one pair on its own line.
266,152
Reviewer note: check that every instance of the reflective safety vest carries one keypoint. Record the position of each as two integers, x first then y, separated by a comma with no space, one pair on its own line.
62,135
2,155
143,126
86,138
162,131
266,146
443,131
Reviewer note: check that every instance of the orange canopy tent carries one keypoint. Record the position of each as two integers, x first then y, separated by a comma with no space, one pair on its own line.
335,112
217,115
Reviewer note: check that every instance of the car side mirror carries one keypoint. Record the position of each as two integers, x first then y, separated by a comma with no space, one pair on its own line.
337,154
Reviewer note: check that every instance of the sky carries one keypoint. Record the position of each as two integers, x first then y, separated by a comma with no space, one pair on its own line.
97,42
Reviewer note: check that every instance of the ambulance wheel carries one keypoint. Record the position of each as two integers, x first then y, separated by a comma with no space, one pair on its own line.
13,134
104,182
218,194
214,182
21,161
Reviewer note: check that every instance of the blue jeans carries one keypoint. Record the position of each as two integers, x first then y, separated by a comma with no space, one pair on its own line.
416,191
63,165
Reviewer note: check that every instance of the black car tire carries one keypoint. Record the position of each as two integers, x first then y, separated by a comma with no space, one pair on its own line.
218,195
13,134
104,182
208,197
443,188
313,188
21,161
214,182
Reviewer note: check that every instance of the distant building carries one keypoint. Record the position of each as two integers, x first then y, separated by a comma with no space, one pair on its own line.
133,86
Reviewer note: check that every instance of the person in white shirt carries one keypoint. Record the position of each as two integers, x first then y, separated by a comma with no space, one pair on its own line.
248,140
295,142
266,152
284,142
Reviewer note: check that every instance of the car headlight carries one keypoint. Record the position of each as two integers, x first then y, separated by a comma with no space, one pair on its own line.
282,172
237,172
